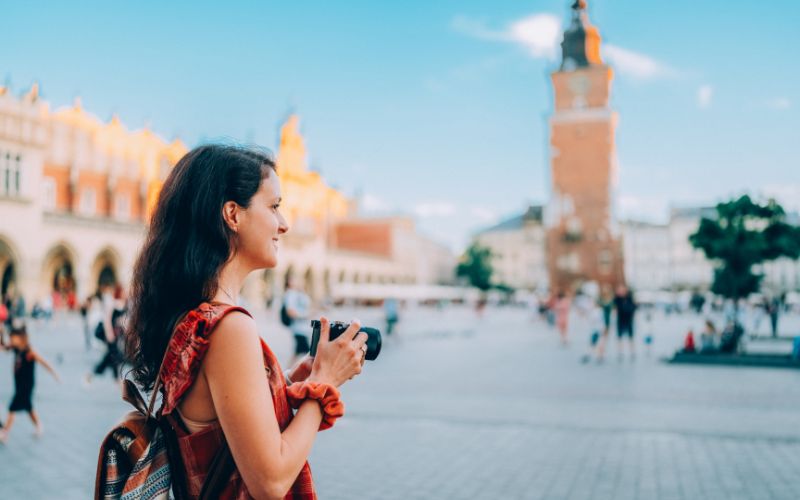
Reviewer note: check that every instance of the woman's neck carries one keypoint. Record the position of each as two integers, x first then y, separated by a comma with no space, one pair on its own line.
231,279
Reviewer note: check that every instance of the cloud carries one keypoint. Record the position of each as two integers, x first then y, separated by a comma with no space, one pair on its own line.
541,34
434,209
372,203
634,64
779,103
705,94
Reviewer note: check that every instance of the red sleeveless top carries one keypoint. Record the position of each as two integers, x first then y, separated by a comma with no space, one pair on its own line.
181,366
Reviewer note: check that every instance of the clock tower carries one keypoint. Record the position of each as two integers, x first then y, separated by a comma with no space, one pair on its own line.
582,239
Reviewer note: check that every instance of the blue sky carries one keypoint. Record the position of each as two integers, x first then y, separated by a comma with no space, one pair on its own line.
438,109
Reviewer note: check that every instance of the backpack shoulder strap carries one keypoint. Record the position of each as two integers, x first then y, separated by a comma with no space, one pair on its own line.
185,351
222,465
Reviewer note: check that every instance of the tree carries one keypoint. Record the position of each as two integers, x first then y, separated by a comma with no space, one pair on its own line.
744,233
476,267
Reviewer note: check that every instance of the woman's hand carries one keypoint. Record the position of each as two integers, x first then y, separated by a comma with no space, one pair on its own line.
301,370
339,360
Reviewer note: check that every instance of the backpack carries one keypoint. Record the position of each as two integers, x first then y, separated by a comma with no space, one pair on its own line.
3,313
140,460
285,318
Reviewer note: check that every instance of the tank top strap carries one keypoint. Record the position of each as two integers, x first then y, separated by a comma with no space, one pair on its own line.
188,347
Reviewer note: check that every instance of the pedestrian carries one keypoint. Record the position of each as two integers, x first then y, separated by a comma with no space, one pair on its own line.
596,325
25,359
606,303
649,328
391,314
626,309
561,308
774,311
86,306
106,332
297,306
221,384
549,308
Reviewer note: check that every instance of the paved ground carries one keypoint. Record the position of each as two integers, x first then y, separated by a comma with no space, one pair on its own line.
464,408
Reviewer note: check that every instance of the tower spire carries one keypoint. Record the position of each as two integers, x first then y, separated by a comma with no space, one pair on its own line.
581,45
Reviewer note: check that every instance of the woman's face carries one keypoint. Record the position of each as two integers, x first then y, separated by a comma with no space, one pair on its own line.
261,225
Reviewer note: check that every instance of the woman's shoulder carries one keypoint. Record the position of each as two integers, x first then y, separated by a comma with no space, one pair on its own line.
203,319
192,340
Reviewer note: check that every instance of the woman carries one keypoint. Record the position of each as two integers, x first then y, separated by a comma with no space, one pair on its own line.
218,219
561,311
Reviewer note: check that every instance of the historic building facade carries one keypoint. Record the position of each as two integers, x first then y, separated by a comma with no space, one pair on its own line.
518,253
660,256
582,236
76,194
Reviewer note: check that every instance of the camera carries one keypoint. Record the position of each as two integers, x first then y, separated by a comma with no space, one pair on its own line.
338,328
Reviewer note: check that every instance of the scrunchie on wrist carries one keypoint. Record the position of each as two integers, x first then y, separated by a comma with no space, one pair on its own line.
326,395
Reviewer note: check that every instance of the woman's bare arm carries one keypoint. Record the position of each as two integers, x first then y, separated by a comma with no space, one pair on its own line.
268,461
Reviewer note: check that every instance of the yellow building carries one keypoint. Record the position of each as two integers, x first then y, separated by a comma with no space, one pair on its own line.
76,193
310,206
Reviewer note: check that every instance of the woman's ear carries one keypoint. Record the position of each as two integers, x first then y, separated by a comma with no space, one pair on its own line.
231,213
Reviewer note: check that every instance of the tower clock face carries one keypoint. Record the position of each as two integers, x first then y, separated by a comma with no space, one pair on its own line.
579,85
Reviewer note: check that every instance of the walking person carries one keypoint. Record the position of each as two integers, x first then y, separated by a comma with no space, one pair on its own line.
391,314
773,308
561,308
626,309
606,304
595,316
106,332
86,305
25,359
221,384
297,306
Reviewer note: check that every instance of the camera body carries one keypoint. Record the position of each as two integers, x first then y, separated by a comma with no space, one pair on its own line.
338,327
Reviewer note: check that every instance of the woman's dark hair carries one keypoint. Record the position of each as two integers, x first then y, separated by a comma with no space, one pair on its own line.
18,329
186,246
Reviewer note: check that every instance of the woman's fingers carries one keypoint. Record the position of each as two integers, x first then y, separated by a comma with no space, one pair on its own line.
360,340
350,333
324,329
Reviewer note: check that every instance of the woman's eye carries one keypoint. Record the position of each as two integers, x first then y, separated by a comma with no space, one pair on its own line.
275,207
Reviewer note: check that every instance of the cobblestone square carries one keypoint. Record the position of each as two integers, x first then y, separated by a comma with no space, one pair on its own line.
459,407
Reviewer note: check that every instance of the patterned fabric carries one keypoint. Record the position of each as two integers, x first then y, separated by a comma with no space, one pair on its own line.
182,364
148,479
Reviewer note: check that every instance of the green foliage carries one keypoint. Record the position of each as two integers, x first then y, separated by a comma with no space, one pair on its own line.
504,288
745,233
476,267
